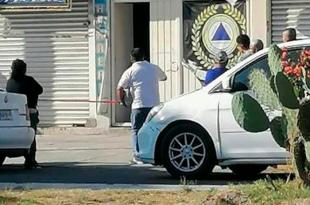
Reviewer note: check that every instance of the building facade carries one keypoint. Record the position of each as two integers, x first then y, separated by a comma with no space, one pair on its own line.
54,40
78,49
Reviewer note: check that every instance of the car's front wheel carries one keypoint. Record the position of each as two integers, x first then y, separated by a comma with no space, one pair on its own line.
188,151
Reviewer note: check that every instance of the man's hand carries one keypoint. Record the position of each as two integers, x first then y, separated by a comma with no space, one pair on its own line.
123,103
121,96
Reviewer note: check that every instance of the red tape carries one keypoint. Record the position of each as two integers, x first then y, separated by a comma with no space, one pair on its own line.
76,100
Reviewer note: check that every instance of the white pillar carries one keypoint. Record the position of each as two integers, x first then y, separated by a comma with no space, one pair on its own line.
258,15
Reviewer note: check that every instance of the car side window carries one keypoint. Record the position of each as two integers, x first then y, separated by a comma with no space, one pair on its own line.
241,79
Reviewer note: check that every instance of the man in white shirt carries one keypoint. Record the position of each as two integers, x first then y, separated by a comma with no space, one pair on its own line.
142,78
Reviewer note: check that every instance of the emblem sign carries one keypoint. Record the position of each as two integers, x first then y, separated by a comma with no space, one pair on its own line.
216,28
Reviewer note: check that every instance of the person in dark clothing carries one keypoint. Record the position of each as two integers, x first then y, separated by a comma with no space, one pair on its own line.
220,62
19,82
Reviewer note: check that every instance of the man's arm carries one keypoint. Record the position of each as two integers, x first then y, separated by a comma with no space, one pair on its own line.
36,87
161,75
209,77
123,83
121,95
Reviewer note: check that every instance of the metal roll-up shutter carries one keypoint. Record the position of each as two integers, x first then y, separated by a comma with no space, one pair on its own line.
290,13
54,45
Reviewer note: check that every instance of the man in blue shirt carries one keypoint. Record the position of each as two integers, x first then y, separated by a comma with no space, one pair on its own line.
220,62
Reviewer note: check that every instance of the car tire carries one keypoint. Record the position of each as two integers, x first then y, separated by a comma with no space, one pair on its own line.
2,158
248,169
188,151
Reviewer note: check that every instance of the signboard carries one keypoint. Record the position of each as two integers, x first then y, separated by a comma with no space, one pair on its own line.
212,26
101,22
102,49
34,4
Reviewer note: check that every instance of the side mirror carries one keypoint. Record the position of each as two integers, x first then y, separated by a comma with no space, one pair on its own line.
226,84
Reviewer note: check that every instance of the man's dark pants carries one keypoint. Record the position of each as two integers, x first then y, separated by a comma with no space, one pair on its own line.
30,158
138,117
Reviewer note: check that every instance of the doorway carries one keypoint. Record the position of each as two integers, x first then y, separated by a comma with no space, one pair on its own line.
130,28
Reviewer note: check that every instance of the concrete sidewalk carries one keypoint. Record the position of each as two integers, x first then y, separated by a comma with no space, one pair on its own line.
98,161
83,145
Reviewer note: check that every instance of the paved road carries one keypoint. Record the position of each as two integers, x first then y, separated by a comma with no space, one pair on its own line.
99,159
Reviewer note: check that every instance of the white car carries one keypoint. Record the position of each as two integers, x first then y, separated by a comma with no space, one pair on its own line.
191,134
16,135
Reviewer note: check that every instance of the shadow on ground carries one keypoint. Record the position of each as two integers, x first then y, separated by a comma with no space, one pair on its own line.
114,174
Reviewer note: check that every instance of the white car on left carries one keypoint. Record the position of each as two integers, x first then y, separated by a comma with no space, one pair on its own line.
16,135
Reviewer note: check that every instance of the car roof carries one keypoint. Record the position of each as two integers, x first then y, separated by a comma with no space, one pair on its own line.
291,44
255,56
296,43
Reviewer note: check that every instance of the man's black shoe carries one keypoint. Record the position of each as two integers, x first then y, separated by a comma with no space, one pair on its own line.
32,165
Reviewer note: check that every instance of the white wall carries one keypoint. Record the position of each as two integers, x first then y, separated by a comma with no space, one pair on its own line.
166,40
166,43
258,18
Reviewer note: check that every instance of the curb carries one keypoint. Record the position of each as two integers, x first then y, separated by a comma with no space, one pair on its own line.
148,187
79,131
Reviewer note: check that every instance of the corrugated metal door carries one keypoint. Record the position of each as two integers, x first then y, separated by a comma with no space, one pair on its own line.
165,43
288,13
54,45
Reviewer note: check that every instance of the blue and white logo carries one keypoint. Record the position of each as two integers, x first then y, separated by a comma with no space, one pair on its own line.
215,29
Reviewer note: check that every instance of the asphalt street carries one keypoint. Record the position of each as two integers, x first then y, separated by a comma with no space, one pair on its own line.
100,159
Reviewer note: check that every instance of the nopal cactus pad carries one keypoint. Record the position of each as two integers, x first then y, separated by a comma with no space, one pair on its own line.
308,82
248,113
279,131
291,118
286,92
272,84
304,120
262,89
274,59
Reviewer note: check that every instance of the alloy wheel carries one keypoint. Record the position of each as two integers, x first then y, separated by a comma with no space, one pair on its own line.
187,152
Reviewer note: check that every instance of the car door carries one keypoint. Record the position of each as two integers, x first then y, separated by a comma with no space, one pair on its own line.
235,141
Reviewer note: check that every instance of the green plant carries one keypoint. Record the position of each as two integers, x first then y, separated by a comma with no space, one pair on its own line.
281,104
186,184
262,192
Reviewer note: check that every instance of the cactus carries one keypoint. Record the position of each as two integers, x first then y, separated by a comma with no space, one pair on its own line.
301,158
306,79
291,116
263,90
244,107
278,130
279,93
272,85
274,59
285,91
304,120
307,150
308,82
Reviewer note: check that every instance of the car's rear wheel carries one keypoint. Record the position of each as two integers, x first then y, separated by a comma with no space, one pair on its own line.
247,169
2,158
188,151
